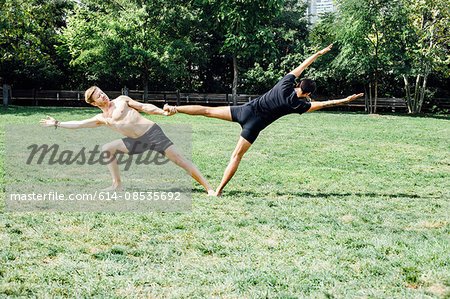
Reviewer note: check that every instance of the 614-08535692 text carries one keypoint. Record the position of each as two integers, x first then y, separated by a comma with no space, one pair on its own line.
102,195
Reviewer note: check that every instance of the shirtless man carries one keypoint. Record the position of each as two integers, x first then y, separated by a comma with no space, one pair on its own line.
256,115
122,115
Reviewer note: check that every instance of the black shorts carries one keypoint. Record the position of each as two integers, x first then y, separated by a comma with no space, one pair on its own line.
250,122
154,139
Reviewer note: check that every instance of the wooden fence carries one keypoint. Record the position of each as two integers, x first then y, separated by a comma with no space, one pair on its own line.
71,97
76,98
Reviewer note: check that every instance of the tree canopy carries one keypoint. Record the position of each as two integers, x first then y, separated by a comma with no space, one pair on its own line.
385,47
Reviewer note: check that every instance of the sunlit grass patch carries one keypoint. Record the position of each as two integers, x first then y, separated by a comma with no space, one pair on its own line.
323,205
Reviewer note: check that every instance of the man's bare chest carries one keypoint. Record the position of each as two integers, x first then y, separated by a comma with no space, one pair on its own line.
118,112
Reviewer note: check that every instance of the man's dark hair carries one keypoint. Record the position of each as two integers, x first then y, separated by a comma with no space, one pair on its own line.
307,85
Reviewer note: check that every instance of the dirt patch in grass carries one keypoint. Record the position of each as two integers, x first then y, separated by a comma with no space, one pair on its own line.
432,224
347,218
438,289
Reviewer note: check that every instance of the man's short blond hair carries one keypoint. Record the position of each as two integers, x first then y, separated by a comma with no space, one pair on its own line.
88,94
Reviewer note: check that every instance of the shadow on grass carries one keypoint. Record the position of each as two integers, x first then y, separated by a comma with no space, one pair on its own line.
420,115
321,195
348,194
199,191
397,114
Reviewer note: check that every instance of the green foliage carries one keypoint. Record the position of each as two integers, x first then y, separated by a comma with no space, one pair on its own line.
328,73
289,40
200,45
28,37
426,48
364,34
260,80
428,42
243,25
124,40
380,42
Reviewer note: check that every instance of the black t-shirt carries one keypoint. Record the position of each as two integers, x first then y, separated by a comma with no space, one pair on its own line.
279,101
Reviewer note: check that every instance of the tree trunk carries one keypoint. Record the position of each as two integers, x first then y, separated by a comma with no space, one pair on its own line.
375,91
370,98
366,100
416,94
415,101
145,84
374,110
408,95
422,91
235,78
6,94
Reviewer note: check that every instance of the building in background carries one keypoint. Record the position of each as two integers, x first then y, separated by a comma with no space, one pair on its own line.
316,7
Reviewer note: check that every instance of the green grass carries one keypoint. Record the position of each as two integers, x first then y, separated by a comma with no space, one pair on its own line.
328,205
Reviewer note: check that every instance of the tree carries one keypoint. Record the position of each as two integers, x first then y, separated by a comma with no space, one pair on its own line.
243,24
28,37
364,32
123,40
290,38
331,78
426,47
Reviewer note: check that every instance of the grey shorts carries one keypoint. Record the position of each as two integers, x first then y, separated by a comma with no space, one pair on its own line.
250,122
154,139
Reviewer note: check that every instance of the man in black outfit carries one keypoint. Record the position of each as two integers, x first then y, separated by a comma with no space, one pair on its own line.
256,115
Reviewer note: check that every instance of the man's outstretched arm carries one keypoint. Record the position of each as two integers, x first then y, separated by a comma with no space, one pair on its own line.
93,122
147,108
319,105
297,71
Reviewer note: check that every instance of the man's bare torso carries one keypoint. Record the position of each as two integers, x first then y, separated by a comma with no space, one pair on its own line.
124,119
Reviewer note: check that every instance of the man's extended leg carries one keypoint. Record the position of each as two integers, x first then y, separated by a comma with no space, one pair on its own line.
222,112
112,148
173,155
241,148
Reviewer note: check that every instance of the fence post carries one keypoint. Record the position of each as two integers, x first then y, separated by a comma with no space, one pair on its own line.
57,96
6,94
228,100
34,97
178,98
165,98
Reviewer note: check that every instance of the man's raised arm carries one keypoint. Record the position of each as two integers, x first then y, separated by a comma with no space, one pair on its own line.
297,71
147,108
93,122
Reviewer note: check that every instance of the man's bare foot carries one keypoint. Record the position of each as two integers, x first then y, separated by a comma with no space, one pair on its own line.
114,187
218,193
211,192
171,110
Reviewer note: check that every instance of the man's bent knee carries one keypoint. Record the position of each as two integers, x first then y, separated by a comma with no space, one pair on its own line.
109,147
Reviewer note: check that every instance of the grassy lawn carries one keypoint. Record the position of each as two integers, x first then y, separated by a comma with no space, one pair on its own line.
325,204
